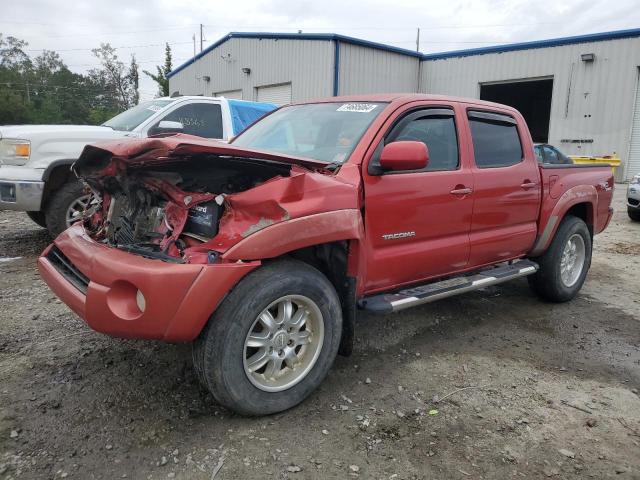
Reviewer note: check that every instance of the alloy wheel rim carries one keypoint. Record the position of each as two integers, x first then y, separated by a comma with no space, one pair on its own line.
283,343
572,260
77,208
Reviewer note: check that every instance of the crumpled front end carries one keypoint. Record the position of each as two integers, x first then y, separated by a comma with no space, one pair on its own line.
147,260
189,204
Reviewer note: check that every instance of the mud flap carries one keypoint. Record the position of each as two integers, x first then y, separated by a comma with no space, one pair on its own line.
348,317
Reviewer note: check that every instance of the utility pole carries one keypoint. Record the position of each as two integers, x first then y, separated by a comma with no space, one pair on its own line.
418,41
194,44
201,37
28,95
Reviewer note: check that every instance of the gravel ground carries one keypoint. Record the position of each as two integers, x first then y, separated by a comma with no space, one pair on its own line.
551,390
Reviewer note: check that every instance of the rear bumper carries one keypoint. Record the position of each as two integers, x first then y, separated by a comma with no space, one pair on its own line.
179,298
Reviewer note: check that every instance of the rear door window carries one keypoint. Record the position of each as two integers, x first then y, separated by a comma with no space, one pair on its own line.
200,119
496,142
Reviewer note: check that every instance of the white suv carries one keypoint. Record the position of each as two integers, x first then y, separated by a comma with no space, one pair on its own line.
35,160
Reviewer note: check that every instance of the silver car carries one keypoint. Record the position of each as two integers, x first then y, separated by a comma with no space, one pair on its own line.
633,198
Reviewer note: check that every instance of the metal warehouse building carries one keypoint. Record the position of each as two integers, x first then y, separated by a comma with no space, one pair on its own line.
579,93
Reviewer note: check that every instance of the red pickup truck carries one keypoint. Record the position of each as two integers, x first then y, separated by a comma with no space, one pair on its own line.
261,251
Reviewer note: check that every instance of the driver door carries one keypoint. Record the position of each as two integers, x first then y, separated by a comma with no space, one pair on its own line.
418,221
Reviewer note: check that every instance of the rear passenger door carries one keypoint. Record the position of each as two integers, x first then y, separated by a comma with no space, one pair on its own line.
506,197
418,221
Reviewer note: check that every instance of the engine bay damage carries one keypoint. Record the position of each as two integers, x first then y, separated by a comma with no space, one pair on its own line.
169,202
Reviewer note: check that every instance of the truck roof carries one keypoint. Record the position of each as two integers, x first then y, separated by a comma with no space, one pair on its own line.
402,98
199,97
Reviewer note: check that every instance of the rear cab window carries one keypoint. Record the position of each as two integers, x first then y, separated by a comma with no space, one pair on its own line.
496,142
200,119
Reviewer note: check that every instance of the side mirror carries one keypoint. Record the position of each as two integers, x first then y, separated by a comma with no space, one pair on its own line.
404,155
167,126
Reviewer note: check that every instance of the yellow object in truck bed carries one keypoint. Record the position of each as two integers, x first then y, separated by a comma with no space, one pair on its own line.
612,160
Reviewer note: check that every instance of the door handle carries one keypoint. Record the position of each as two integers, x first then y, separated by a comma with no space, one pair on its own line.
461,191
527,184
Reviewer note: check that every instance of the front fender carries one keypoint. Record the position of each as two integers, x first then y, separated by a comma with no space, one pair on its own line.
551,215
297,233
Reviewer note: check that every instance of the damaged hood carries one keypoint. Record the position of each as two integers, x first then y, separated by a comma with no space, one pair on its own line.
183,198
157,150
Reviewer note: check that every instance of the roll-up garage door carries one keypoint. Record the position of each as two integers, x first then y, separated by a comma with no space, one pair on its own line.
232,94
634,144
278,94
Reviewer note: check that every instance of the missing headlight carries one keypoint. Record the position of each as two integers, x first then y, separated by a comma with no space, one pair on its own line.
202,221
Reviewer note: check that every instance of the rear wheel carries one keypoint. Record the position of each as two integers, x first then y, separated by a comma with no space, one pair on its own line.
65,206
634,214
38,217
272,340
564,266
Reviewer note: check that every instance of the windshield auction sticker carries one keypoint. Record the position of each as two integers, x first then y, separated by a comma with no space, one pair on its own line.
356,107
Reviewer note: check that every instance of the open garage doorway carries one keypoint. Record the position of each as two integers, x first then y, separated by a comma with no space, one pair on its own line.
531,97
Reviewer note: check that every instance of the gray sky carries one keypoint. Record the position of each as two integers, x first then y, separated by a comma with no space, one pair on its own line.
142,27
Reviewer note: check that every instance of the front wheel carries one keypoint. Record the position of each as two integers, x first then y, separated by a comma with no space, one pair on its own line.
634,214
66,206
272,340
564,266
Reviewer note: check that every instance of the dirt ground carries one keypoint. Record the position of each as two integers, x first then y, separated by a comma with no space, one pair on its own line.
536,390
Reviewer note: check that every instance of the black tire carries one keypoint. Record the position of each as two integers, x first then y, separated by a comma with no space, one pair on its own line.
547,281
219,353
634,214
38,218
58,204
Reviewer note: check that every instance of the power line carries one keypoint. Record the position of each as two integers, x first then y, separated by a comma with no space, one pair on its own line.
117,48
408,27
93,34
177,60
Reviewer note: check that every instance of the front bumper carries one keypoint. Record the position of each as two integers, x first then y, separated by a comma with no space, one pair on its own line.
100,283
20,188
22,196
633,196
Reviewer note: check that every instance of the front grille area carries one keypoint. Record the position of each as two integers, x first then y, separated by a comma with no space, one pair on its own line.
633,201
64,266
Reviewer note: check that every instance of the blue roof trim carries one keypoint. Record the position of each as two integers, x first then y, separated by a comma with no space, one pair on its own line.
553,42
297,36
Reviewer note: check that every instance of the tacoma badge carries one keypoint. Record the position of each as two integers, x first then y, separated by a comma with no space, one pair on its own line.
395,236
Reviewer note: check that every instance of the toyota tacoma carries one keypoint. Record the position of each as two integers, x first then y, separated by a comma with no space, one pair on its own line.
261,251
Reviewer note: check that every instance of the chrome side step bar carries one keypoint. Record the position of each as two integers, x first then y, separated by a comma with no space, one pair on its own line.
394,302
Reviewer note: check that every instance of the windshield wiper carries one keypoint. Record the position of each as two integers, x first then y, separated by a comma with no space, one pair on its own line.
333,166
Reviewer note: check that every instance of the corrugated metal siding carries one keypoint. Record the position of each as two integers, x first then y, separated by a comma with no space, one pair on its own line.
590,100
634,143
307,64
365,70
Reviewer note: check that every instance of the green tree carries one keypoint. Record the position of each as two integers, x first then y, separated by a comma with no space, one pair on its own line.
118,83
14,84
43,90
134,80
161,77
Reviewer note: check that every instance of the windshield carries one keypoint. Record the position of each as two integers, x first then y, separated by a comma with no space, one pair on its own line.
322,131
130,119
